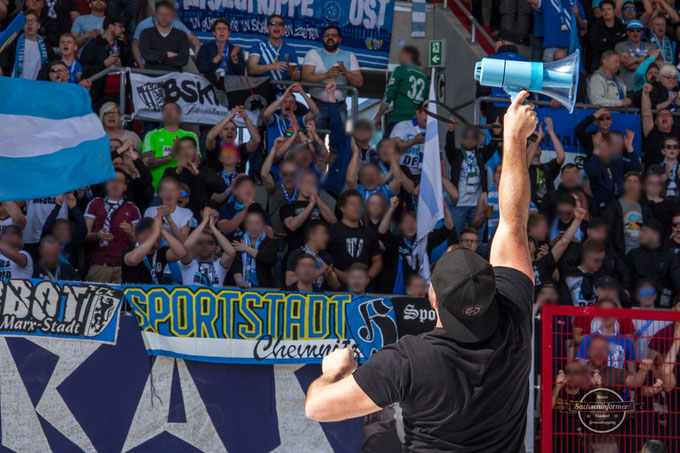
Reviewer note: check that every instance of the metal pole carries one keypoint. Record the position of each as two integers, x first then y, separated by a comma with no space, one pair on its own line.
121,93
473,32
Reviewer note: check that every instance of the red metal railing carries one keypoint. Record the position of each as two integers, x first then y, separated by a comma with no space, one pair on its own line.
617,390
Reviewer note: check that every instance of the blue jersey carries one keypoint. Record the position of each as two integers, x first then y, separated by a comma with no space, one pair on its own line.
621,350
557,21
75,71
270,54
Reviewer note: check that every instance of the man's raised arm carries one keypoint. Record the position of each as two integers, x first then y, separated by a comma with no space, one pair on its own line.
510,247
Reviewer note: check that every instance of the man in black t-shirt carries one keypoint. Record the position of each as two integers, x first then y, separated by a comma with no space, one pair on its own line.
307,206
352,242
464,386
655,129
145,262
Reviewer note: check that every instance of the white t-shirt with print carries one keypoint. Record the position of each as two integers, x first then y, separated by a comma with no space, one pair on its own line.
203,274
412,157
10,269
181,216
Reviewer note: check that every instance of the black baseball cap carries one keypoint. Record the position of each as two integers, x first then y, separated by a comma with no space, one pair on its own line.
607,281
654,225
144,224
465,286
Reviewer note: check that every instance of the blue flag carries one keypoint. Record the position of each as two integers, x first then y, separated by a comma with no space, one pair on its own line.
12,31
50,140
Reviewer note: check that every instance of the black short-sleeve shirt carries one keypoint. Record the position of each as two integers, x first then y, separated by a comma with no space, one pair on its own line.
140,273
296,238
348,245
459,397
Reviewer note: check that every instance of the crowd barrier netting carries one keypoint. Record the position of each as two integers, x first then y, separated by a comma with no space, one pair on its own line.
608,379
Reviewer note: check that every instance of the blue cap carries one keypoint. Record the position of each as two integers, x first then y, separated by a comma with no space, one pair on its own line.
634,24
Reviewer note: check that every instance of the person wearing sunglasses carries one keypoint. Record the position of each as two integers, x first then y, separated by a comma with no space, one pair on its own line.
331,63
645,296
200,266
655,128
633,51
673,243
654,262
272,57
107,49
671,179
603,122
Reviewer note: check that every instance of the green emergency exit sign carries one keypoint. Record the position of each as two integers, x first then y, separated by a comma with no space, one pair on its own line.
436,53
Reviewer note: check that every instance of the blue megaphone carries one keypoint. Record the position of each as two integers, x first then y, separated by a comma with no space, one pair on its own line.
556,79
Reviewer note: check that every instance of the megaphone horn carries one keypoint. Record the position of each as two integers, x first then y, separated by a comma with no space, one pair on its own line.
556,79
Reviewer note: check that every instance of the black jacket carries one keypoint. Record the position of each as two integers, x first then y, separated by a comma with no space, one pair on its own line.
455,157
154,49
613,265
202,186
264,262
207,67
92,59
660,265
603,38
613,215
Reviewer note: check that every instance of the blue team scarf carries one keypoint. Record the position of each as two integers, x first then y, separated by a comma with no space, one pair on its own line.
19,55
667,47
228,179
249,267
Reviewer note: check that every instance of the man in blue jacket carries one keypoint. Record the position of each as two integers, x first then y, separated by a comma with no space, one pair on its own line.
220,58
605,170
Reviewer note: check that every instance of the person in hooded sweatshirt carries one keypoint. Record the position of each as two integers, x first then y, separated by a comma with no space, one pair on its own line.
654,262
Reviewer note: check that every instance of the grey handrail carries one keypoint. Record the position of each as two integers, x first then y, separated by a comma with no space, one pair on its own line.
478,103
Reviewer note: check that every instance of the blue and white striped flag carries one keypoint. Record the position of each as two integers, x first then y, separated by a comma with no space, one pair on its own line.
430,197
50,140
418,18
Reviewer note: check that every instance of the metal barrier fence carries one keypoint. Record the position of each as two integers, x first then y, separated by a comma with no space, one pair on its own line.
608,379
152,72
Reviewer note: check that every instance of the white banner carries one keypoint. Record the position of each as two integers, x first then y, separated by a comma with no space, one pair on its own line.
194,94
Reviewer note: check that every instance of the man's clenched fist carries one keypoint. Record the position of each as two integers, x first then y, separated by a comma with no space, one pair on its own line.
520,119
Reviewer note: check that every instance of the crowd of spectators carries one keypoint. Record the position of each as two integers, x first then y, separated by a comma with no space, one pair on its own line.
302,204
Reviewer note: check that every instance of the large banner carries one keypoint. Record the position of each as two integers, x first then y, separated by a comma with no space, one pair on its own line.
194,94
366,24
69,396
234,326
564,124
41,308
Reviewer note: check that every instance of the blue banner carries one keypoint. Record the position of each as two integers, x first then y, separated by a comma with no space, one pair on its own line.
366,24
564,124
75,396
229,325
41,308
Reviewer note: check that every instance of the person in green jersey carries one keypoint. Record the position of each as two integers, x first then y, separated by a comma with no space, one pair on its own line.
157,145
406,90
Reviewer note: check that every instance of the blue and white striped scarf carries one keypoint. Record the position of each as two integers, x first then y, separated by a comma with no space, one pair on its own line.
19,55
